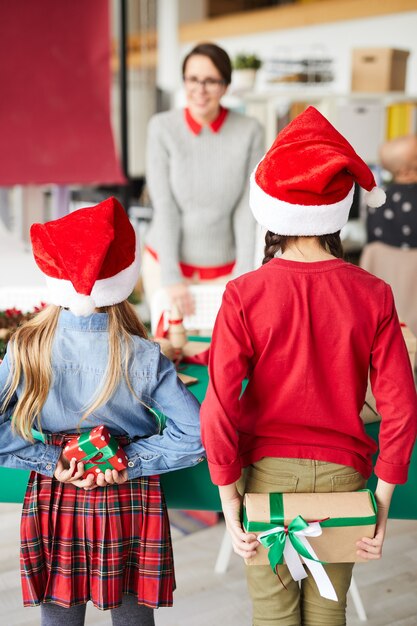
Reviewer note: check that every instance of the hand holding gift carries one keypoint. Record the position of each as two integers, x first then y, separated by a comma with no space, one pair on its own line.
174,341
310,529
100,454
72,472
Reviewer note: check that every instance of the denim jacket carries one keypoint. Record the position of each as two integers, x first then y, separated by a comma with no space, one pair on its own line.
79,361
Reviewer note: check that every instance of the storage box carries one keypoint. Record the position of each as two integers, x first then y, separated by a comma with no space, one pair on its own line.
369,412
344,517
379,69
411,343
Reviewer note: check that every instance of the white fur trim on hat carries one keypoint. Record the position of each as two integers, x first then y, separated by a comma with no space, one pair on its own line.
81,305
375,198
106,291
284,218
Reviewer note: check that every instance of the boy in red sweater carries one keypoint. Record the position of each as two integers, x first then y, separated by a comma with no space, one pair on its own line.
305,329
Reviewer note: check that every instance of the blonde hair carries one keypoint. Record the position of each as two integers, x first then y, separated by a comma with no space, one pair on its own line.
31,348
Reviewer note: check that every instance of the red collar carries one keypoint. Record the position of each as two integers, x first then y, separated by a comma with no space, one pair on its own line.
215,125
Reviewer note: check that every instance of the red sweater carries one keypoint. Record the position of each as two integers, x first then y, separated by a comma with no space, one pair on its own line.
306,335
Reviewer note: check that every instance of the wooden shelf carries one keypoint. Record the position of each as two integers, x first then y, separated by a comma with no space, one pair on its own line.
263,20
291,16
141,51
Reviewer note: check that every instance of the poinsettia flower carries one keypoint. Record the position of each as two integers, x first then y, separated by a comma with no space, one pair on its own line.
13,312
39,308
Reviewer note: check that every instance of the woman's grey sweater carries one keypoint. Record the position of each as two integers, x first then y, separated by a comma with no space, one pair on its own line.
199,187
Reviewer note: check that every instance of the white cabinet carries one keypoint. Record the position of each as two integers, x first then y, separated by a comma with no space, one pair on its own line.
362,123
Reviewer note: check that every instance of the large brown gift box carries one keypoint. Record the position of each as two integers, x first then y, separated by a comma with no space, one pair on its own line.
344,517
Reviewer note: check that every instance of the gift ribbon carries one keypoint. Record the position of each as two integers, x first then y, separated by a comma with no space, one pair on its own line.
290,542
95,460
91,451
93,454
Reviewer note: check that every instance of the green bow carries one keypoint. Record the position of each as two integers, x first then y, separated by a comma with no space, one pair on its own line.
102,454
275,542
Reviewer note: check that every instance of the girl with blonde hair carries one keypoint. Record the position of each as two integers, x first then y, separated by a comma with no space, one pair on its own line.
83,362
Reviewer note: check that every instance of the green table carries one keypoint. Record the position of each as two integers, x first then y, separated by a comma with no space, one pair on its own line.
184,489
192,489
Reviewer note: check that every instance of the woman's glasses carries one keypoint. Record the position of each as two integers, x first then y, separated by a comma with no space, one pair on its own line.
211,85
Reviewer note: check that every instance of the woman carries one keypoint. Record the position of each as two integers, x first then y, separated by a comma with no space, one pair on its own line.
198,164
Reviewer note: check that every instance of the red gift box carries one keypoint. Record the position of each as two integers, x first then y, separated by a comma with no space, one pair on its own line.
98,450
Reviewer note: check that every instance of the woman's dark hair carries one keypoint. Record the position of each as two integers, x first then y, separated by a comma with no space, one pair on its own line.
273,243
217,56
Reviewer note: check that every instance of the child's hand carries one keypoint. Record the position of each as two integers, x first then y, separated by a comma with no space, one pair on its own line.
244,544
372,548
111,477
72,473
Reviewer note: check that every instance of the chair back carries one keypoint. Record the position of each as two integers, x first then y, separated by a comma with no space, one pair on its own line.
23,298
207,300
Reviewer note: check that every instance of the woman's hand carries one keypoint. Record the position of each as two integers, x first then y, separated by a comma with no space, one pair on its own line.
180,295
244,544
372,548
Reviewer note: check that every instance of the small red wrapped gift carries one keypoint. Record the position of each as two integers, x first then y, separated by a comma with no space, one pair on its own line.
98,450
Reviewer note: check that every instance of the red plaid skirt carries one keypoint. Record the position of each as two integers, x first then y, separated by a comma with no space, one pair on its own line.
79,545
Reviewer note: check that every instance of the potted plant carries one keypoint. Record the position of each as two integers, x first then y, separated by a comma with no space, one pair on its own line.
245,67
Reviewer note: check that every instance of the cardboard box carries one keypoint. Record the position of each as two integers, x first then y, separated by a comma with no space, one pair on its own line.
379,69
369,412
411,343
337,543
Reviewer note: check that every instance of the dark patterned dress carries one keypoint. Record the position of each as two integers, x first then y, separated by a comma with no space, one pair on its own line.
395,223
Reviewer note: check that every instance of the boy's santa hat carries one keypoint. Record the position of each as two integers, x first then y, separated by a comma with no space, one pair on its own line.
304,185
90,258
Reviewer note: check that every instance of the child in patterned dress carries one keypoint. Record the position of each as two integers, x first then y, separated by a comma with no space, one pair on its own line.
395,222
85,361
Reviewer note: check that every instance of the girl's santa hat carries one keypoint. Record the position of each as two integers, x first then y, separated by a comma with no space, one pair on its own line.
89,258
304,185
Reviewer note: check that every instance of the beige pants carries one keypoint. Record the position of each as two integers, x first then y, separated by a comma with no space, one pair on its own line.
273,605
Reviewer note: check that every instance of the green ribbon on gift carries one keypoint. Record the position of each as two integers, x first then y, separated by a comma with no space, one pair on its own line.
275,541
103,454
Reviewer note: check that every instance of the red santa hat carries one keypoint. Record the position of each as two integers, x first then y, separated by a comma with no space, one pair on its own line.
304,185
89,258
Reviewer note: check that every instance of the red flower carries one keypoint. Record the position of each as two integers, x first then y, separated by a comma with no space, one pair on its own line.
13,312
39,308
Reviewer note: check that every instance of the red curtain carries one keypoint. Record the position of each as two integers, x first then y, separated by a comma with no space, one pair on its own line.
55,93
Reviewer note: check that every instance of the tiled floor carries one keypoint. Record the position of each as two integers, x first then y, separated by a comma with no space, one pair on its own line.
203,598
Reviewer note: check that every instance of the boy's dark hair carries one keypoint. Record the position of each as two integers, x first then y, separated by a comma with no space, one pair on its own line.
217,56
273,243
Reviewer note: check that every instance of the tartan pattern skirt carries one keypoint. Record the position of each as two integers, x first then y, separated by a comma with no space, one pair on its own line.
96,545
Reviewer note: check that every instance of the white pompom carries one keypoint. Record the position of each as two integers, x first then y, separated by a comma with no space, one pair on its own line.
82,305
375,198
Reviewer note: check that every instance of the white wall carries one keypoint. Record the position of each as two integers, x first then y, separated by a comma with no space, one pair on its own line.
392,31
